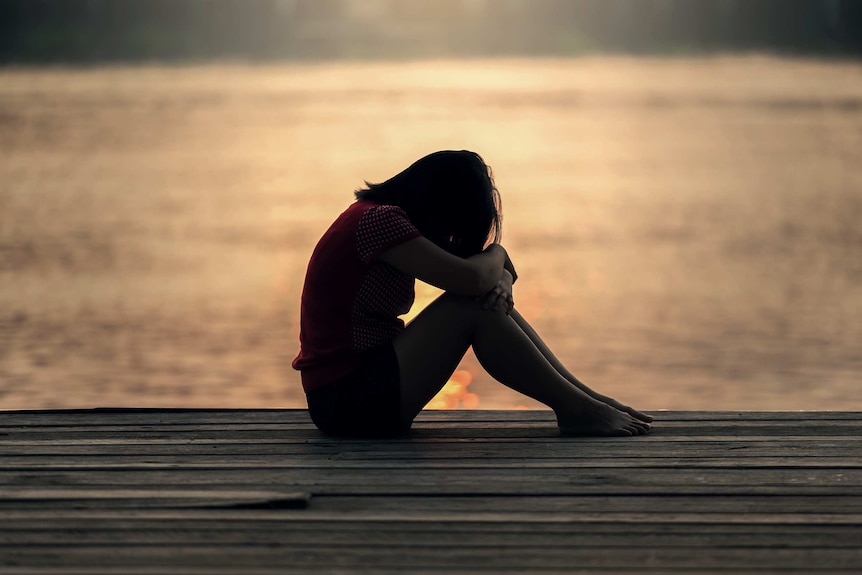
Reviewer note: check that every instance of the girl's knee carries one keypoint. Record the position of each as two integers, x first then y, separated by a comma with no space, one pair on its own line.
473,306
464,303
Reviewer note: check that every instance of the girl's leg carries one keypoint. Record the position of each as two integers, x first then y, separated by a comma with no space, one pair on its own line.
430,348
561,369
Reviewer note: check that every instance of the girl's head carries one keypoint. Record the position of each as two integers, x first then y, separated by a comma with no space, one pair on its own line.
449,196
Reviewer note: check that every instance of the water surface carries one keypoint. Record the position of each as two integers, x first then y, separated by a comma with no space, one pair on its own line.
687,231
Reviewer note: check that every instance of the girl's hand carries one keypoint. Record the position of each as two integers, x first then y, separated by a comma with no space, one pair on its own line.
500,298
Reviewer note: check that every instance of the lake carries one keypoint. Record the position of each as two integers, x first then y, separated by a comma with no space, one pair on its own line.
686,230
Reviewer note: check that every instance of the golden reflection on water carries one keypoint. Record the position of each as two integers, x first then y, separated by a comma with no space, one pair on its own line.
686,230
455,394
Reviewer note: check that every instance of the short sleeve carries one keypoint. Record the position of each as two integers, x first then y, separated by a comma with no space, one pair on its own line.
382,227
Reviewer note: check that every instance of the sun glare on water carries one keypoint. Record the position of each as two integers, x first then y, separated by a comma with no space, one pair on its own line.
455,394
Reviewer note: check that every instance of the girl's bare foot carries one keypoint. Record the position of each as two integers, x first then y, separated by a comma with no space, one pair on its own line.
625,408
600,419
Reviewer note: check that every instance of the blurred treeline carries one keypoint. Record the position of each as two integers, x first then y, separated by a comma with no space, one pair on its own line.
93,31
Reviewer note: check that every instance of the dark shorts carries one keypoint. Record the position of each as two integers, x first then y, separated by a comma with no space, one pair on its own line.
365,402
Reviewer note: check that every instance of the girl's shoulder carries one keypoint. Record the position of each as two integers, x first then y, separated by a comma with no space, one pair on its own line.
367,213
380,227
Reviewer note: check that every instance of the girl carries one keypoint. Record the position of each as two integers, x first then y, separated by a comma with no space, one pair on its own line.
363,371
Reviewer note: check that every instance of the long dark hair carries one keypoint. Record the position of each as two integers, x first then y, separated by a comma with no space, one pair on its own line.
449,196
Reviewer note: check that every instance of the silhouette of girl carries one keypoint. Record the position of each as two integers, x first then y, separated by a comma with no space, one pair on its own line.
363,371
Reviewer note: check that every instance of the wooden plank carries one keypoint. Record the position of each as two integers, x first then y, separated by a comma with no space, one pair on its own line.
481,557
844,509
538,427
775,505
167,535
738,448
540,434
473,481
185,422
407,451
535,539
236,499
792,427
500,517
453,462
300,416
93,500
312,523
253,569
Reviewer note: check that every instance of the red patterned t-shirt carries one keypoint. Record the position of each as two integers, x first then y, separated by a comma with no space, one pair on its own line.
351,302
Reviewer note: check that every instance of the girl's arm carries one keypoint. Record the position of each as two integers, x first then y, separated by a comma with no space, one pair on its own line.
500,298
510,267
424,260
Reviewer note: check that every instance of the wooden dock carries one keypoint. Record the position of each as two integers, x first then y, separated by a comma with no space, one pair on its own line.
262,492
